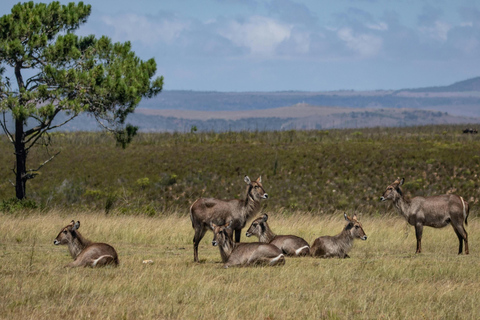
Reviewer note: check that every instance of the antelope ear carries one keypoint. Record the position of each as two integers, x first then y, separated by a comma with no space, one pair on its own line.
212,225
346,217
265,217
259,180
228,225
247,180
354,217
76,225
401,181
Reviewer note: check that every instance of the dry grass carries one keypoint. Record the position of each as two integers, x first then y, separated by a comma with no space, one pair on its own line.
384,279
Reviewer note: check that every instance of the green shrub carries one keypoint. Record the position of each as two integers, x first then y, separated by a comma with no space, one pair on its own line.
13,205
143,183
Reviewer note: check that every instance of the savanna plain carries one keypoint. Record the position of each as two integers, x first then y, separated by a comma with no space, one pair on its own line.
137,200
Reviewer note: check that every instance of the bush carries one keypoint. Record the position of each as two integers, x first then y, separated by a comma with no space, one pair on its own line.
13,205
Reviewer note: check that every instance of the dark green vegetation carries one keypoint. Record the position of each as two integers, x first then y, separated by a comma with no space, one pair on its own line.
56,71
313,171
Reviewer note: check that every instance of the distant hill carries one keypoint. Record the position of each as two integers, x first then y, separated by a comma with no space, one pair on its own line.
297,117
460,99
183,111
461,86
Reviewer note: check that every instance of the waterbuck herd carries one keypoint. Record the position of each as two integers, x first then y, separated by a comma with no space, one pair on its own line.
227,218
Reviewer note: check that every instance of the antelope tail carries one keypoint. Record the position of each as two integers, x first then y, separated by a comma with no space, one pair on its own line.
103,260
300,250
191,214
465,210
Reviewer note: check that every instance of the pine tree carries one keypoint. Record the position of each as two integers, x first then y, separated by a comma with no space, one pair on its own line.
67,74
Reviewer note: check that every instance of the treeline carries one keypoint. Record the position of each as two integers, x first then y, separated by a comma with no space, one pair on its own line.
315,171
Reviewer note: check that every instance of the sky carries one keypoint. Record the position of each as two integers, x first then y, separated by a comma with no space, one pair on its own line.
308,45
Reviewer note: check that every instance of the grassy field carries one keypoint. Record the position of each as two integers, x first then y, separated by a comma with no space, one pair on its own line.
383,279
137,199
308,171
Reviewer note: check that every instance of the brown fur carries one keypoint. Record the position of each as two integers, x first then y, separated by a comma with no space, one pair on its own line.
435,211
339,245
83,251
244,254
289,244
204,211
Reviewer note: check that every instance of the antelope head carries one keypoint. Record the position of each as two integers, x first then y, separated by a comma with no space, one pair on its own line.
255,189
355,227
67,234
257,227
393,191
222,235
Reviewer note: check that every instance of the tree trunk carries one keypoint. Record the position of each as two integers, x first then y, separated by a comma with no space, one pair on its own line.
21,164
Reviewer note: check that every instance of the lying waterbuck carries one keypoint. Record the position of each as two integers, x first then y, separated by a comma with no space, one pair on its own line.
244,254
83,251
289,244
434,211
206,210
339,245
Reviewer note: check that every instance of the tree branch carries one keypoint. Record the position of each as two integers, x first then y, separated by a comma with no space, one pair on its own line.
31,173
41,131
42,125
5,129
35,79
103,125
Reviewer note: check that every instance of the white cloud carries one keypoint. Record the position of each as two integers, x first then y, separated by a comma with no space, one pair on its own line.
381,26
135,27
261,35
366,45
438,31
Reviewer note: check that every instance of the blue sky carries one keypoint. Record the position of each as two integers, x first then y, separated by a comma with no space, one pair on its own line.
277,45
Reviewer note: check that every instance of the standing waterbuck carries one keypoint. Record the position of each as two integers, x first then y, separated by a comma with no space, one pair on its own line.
434,211
84,252
206,210
244,254
339,245
289,244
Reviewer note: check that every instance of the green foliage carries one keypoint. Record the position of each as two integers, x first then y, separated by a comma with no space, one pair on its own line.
143,183
13,205
124,137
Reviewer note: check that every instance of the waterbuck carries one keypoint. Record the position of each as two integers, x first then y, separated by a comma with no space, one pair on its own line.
244,254
434,211
339,245
289,244
84,252
206,210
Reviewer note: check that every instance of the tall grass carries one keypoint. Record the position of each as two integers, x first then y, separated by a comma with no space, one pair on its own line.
383,279
311,171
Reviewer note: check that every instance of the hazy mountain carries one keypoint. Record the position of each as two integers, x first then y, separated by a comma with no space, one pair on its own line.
460,99
461,86
183,111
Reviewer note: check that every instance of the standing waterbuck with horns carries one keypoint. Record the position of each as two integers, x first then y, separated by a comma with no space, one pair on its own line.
207,210
83,251
339,245
289,244
434,211
244,254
